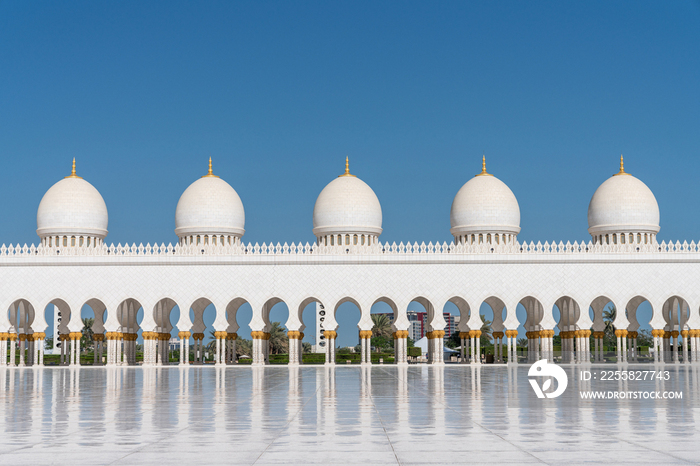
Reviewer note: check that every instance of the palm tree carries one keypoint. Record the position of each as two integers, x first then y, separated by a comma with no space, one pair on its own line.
244,347
86,341
609,315
279,343
486,334
382,326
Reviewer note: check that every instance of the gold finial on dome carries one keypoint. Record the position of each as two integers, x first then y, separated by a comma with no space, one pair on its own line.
622,167
483,167
210,174
347,168
72,172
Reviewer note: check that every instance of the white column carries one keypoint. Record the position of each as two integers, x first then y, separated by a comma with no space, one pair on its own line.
675,341
293,353
478,347
77,351
3,350
474,355
37,349
21,350
13,354
509,341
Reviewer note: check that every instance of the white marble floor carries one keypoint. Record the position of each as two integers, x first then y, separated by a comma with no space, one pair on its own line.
346,415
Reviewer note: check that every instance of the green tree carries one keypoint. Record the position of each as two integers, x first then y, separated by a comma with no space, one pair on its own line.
49,343
609,315
454,341
382,343
86,341
279,343
485,332
306,347
244,347
382,326
644,338
521,342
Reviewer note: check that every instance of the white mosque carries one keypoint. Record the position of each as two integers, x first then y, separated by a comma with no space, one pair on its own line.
622,264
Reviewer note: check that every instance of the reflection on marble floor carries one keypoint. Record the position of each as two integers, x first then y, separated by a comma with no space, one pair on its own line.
349,415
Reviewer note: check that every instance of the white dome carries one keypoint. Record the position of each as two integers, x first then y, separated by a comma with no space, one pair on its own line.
485,205
72,207
209,206
623,203
347,205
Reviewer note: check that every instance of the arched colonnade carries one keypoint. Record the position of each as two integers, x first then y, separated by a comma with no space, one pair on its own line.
115,333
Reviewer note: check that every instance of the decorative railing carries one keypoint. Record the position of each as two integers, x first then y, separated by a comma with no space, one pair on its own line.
371,250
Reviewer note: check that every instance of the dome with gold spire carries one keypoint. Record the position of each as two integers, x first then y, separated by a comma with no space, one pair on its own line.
347,212
485,210
72,213
209,212
623,210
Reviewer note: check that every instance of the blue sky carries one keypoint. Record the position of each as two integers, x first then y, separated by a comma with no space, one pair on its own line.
278,93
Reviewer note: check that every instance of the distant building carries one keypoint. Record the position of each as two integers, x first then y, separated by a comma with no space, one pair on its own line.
419,323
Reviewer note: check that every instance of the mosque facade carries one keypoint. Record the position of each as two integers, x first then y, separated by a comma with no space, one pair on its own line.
623,264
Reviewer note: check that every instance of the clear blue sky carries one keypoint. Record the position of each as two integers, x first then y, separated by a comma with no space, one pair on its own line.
278,93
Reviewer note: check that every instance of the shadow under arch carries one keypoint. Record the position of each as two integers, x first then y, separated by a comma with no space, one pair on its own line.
123,351
567,325
59,331
21,314
314,305
539,345
676,314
